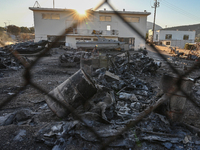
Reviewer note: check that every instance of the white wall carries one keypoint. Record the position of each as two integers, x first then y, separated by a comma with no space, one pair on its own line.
176,35
56,27
48,27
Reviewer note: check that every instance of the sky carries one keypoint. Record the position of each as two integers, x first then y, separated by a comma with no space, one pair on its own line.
170,12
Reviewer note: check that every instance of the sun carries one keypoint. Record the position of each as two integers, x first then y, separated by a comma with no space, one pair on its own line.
81,12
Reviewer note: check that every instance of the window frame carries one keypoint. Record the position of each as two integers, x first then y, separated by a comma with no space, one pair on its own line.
108,28
168,36
132,19
48,16
105,18
185,35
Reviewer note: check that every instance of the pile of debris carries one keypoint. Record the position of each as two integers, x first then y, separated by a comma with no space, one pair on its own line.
72,58
29,47
136,63
113,103
106,102
9,61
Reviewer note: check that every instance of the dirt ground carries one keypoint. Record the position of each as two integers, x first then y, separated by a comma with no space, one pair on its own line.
48,74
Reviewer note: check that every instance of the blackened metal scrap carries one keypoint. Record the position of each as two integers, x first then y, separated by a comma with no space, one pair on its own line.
137,119
66,105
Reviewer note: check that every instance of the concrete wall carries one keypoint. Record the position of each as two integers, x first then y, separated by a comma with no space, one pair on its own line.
44,27
177,43
176,35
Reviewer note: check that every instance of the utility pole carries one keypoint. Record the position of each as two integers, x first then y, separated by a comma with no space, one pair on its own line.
53,4
156,4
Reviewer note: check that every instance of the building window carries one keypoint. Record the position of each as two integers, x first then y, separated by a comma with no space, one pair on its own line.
105,18
84,39
186,37
168,36
102,18
108,27
130,41
108,18
46,16
167,43
132,19
51,16
52,38
55,16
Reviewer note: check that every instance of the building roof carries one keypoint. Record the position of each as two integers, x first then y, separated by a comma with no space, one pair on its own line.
100,11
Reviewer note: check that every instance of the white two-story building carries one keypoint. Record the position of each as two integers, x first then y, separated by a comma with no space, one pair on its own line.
173,38
52,22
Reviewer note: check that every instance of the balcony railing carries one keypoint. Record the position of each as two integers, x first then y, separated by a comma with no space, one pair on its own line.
76,31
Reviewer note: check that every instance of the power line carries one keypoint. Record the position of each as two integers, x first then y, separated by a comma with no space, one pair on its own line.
180,11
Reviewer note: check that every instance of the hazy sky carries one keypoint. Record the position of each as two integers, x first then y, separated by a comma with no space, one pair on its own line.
170,13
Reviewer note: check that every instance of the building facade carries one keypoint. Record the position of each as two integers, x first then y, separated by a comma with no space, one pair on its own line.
172,38
50,23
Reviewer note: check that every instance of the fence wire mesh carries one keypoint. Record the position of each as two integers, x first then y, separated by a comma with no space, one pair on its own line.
28,81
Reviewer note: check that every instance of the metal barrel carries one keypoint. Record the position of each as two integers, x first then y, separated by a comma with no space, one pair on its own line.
75,91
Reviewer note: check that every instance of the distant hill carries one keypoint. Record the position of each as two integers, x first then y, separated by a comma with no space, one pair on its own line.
195,27
150,26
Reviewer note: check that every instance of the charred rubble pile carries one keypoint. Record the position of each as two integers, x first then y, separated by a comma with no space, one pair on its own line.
8,61
29,47
113,101
107,101
73,57
136,63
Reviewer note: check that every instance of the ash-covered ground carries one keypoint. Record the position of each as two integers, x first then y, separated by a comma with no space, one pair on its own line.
26,122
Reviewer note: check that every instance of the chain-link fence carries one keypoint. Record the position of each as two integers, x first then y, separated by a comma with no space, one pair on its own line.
28,81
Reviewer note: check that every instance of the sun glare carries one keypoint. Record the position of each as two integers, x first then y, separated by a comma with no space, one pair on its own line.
81,12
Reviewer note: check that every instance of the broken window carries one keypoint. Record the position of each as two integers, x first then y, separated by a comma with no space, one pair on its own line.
108,27
168,36
186,37
167,43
